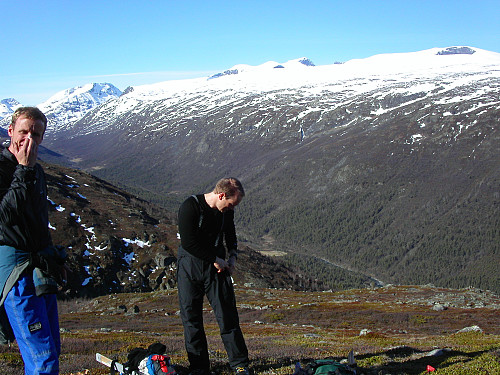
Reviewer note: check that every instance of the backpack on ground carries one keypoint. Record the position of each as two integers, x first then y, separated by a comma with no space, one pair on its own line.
324,367
150,361
157,364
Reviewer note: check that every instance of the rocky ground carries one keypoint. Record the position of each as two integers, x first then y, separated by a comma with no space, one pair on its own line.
391,330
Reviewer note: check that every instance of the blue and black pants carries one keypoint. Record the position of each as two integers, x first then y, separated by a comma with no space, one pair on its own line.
35,323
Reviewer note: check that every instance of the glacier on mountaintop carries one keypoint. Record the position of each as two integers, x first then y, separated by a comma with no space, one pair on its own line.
359,75
331,86
311,88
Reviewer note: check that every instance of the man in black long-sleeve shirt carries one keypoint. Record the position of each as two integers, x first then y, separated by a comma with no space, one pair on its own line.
205,224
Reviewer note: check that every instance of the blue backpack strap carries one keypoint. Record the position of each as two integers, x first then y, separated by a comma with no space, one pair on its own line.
150,365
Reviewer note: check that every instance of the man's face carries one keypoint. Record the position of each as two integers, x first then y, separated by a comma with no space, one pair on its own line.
25,128
224,204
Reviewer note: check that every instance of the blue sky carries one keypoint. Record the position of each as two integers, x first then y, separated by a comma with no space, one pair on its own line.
51,45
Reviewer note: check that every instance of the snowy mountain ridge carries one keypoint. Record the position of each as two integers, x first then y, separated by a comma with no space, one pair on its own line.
243,68
348,79
7,107
68,106
266,77
310,90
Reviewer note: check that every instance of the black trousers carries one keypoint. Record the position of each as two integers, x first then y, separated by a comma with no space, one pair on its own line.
195,279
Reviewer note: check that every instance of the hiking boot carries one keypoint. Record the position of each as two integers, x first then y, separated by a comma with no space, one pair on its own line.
241,371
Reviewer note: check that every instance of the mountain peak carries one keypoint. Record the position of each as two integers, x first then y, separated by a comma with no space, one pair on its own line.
267,66
305,61
9,101
8,106
456,51
89,90
71,104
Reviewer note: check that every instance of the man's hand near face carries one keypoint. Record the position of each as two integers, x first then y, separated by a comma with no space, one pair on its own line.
25,136
26,153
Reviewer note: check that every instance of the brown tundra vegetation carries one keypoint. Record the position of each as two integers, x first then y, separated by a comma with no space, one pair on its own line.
391,330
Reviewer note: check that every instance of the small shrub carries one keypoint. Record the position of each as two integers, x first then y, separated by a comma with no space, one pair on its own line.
485,364
11,359
274,316
377,360
419,320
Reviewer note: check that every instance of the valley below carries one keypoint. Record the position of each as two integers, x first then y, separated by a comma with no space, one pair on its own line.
371,220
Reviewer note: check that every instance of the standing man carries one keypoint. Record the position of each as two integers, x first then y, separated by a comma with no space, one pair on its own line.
205,222
27,312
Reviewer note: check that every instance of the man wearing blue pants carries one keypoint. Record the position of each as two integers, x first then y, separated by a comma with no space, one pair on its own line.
28,306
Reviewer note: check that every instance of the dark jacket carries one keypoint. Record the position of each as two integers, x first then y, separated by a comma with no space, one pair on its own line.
23,224
200,239
23,205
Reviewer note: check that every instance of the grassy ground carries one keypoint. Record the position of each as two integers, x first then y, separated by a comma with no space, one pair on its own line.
281,327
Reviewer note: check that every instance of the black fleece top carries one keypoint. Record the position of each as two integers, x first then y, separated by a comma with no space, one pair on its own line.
23,205
201,241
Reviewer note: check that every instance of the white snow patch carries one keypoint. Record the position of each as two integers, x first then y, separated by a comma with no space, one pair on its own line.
136,241
89,229
78,218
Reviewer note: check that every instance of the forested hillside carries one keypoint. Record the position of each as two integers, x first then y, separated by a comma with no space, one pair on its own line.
387,166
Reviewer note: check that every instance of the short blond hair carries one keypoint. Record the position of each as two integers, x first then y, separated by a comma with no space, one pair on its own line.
33,113
230,186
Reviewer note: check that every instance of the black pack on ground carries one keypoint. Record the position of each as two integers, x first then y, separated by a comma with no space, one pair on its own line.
136,355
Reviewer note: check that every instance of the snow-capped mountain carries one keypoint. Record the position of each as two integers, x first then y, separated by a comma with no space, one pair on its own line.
362,163
7,107
243,68
68,106
301,91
